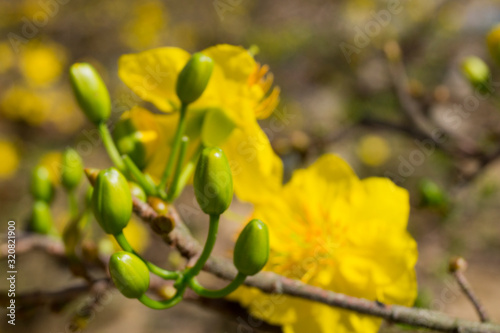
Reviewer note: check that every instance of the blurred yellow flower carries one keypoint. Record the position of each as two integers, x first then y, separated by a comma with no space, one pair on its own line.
373,150
6,57
22,103
493,42
10,159
145,28
238,93
36,107
330,229
42,64
52,160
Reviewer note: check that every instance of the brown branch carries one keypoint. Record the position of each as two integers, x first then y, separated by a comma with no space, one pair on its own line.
416,116
54,298
269,282
28,242
457,267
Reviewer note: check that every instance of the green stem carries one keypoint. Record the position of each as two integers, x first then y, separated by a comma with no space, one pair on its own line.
148,186
187,172
160,305
172,189
110,147
163,273
73,205
200,290
209,245
175,146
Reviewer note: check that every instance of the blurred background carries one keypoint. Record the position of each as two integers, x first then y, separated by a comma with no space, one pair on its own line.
377,82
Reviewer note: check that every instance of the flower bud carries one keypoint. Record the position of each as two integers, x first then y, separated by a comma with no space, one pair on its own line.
128,142
251,251
112,201
91,92
213,182
194,77
72,169
493,41
431,193
137,191
41,219
41,184
477,72
457,264
129,274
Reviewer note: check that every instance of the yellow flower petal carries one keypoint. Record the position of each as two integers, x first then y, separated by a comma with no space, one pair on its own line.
152,75
257,170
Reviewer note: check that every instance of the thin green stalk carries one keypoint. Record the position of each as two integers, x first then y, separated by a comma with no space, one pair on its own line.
207,250
200,290
172,189
110,147
181,125
148,186
187,172
163,273
161,305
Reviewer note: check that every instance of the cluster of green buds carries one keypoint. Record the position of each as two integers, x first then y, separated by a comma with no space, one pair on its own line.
43,190
116,188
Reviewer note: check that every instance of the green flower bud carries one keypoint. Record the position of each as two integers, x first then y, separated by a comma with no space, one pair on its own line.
129,274
41,184
194,77
41,219
477,72
431,193
128,141
213,182
112,201
251,251
72,169
137,191
91,92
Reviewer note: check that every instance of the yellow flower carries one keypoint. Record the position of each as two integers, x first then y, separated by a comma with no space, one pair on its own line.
6,57
42,64
10,159
22,103
148,22
330,229
38,107
238,93
373,150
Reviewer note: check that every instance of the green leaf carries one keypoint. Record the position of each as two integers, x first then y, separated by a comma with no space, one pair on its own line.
217,127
